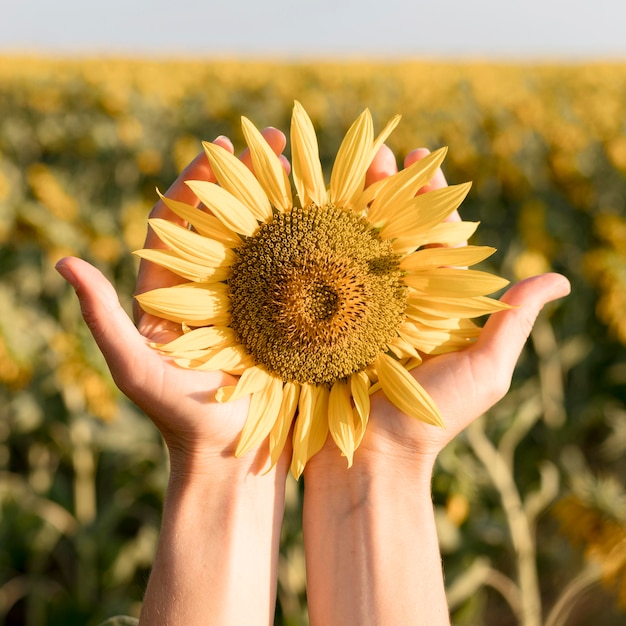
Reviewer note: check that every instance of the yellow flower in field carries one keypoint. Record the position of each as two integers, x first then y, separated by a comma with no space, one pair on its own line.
317,302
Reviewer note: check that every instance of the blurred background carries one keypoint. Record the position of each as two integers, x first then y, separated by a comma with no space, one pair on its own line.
102,102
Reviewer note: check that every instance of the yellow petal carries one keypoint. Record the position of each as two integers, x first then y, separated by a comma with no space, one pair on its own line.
446,233
311,428
341,419
200,339
307,171
203,223
390,126
234,214
405,392
231,359
431,340
282,426
398,189
454,307
403,349
353,158
182,267
359,386
441,257
423,212
252,380
449,282
363,197
262,414
192,246
237,179
195,304
268,169
435,321
224,394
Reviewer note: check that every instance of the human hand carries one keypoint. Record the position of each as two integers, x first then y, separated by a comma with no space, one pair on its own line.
180,402
374,522
463,384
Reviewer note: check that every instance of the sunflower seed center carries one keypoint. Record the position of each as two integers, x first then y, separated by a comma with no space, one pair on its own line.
316,294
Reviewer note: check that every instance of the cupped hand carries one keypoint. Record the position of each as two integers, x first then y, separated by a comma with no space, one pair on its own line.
179,401
463,384
466,383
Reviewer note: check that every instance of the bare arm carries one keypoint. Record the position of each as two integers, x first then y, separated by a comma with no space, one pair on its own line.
370,537
217,555
371,544
218,548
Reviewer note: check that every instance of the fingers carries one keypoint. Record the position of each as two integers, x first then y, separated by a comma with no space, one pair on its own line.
277,141
124,349
383,165
438,181
198,169
505,333
151,276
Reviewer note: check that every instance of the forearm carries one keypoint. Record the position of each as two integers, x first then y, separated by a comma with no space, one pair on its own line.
371,547
217,555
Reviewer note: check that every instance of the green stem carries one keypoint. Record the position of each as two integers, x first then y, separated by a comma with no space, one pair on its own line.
521,530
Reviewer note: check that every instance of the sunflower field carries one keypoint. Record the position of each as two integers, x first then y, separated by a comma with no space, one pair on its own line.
530,500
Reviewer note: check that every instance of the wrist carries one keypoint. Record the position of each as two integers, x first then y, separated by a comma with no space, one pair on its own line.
219,535
383,463
375,523
229,492
196,463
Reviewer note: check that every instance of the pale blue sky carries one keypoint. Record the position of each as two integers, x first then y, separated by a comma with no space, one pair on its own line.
561,29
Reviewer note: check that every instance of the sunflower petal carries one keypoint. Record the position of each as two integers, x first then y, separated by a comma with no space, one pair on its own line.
230,359
405,392
445,234
403,349
192,246
390,126
436,322
282,426
433,340
450,282
262,414
182,267
195,304
252,380
398,189
199,339
268,169
352,160
205,224
311,428
424,211
453,307
341,419
442,257
359,385
308,177
237,179
233,213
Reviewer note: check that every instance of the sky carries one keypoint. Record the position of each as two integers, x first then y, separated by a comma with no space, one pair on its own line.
491,29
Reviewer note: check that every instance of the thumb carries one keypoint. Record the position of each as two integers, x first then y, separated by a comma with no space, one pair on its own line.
116,336
505,333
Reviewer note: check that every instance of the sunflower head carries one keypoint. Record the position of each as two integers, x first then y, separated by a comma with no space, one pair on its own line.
318,299
316,294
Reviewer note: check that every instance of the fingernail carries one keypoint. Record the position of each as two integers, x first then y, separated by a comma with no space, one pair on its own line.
66,272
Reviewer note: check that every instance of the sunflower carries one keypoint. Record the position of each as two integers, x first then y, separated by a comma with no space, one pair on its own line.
317,301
